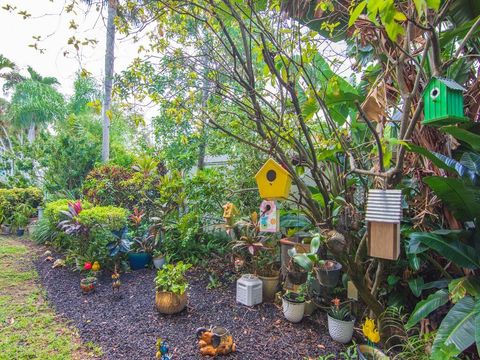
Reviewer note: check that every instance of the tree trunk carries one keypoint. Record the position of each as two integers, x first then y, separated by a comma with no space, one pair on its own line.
203,130
31,133
107,95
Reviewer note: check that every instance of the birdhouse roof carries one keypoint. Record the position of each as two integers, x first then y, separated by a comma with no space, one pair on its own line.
449,83
273,164
384,206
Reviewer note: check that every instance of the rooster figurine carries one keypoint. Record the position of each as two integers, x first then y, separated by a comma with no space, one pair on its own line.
116,281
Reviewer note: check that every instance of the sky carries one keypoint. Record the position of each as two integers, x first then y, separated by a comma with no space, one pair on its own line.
52,25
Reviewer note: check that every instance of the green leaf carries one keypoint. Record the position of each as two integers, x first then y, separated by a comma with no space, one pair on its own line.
471,161
433,4
425,307
416,285
315,244
303,261
356,12
458,326
473,140
462,199
477,325
454,250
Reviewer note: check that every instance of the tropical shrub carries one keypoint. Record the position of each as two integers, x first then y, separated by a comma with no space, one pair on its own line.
106,185
11,198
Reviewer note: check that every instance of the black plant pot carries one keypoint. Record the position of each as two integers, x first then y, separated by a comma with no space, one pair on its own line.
329,277
20,232
297,277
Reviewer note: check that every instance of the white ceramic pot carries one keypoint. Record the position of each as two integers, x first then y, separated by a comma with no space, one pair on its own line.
159,262
339,330
293,311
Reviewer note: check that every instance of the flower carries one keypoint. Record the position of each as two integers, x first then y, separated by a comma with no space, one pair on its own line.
370,330
336,302
96,266
87,266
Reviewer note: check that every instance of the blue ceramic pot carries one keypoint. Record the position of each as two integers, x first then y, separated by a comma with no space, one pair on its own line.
139,260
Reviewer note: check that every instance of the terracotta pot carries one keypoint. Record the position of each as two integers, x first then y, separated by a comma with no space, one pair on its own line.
340,330
170,303
269,287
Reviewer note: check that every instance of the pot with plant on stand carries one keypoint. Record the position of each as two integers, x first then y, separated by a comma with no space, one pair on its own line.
21,217
171,288
340,322
326,271
143,241
293,306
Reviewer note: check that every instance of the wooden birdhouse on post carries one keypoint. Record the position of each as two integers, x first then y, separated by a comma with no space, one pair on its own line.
273,181
384,213
443,102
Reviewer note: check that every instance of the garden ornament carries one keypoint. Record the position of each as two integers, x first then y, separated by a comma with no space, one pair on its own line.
162,350
215,341
116,281
273,181
229,212
443,99
269,217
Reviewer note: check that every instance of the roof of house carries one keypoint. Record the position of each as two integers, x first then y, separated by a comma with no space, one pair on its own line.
384,206
451,84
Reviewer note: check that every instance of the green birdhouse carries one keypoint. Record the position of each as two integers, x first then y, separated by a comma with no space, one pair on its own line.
443,99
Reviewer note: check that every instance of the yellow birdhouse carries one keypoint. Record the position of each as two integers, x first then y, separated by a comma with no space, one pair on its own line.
273,181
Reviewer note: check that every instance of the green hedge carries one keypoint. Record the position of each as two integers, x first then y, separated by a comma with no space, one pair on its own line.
11,198
110,217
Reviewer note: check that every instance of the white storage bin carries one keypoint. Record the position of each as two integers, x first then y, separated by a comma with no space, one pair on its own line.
249,290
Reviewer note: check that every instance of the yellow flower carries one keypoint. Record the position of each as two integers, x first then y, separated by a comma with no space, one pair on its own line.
370,331
96,266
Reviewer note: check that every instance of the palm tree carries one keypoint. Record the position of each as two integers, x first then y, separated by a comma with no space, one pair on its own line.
112,6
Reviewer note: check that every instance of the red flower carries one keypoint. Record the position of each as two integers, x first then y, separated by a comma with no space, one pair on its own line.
87,266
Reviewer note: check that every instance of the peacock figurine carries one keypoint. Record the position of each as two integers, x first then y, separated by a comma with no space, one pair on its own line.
162,350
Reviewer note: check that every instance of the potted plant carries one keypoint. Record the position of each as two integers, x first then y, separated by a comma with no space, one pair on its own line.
267,271
171,288
293,306
6,225
295,273
88,283
340,322
143,242
21,218
159,259
326,271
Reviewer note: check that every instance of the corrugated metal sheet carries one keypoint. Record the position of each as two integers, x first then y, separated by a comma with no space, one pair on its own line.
384,206
452,84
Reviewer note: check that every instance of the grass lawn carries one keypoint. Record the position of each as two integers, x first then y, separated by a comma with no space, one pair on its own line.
29,328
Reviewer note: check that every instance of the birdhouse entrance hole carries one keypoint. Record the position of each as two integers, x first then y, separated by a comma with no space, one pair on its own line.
271,175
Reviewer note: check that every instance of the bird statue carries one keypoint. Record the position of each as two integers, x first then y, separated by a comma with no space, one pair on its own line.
162,350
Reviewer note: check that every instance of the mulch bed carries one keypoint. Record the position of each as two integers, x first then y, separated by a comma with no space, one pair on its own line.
127,326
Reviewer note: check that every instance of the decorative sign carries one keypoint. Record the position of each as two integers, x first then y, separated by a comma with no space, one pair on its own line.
269,217
273,181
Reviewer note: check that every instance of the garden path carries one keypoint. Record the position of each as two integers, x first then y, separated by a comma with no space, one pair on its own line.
29,328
